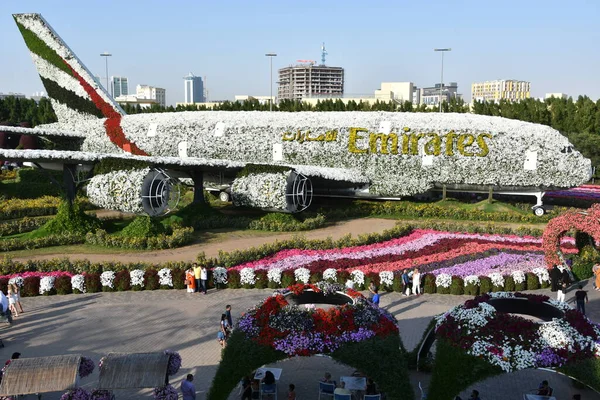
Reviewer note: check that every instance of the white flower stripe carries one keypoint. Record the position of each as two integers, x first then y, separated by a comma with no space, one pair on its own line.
64,80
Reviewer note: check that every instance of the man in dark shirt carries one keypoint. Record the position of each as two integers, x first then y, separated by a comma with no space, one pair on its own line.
581,298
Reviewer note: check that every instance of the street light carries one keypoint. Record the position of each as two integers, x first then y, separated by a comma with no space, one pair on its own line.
271,55
106,55
442,82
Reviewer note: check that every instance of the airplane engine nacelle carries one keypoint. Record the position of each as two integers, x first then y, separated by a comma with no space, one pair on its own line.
140,191
281,191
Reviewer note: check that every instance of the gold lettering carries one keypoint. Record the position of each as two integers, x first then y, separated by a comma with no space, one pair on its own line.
405,144
433,146
352,141
414,143
373,137
450,143
465,140
288,136
483,145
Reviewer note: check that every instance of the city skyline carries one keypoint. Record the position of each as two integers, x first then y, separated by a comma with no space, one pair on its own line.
545,43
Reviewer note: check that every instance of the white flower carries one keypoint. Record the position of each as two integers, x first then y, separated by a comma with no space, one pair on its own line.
358,277
19,281
330,274
542,274
264,190
443,280
220,275
302,275
561,305
165,278
78,282
46,284
137,277
118,190
247,276
386,278
502,295
107,279
472,280
518,276
274,275
497,279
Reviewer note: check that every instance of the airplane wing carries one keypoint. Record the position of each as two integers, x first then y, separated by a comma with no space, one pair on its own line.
176,163
41,131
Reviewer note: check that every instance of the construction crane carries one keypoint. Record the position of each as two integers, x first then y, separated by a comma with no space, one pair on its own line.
323,53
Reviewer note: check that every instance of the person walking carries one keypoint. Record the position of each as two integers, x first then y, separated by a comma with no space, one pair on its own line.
228,315
12,301
562,290
203,277
416,282
405,283
581,298
188,390
223,333
375,298
17,294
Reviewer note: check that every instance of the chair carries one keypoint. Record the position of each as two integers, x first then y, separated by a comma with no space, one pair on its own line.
268,390
372,397
338,396
326,389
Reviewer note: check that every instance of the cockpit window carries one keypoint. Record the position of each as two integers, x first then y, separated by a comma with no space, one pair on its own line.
567,149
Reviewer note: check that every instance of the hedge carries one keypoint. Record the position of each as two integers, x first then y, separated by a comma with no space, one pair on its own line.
22,225
178,238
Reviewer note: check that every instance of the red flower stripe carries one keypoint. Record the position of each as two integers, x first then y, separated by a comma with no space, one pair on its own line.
113,119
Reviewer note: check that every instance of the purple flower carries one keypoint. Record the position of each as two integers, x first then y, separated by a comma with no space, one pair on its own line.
101,394
86,367
174,362
167,392
76,394
548,358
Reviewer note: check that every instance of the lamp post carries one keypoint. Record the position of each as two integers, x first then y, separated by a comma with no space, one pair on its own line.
106,55
271,55
442,82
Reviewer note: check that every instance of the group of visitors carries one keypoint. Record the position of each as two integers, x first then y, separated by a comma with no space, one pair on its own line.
411,280
195,279
250,387
11,302
371,388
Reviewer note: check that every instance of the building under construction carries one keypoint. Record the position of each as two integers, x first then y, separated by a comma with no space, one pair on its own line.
307,80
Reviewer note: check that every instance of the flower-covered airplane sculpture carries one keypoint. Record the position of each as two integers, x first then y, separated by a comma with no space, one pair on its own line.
289,156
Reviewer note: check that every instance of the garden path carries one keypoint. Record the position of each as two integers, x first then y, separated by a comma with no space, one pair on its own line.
238,240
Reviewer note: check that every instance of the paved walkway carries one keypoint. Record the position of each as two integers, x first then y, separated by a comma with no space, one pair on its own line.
95,324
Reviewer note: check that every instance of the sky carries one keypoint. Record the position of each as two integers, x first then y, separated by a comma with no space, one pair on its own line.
553,44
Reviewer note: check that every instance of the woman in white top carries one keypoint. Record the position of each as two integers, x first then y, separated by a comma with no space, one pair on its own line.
12,301
17,294
416,282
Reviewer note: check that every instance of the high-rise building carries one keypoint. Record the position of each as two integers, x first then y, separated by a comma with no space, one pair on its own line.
118,86
430,96
303,81
151,92
194,89
494,91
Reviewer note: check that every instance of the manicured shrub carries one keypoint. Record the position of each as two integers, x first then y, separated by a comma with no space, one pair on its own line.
71,218
485,284
428,284
471,289
316,277
342,277
582,270
397,285
233,279
261,279
151,279
62,284
178,275
31,286
287,278
122,281
272,285
457,285
509,284
92,282
143,227
532,280
442,290
371,277
519,287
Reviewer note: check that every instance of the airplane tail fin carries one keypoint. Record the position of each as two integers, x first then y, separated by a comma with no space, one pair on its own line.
75,94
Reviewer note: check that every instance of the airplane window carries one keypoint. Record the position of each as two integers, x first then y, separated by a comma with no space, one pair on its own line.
564,150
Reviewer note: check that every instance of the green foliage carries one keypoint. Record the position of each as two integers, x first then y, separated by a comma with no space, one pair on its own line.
72,219
287,278
397,284
509,284
583,239
457,285
261,279
239,358
122,281
532,280
429,284
178,276
31,286
39,47
278,222
22,225
586,371
454,370
485,285
253,169
143,226
519,287
151,279
112,164
31,183
92,282
41,242
19,208
585,261
233,279
62,284
471,289
178,238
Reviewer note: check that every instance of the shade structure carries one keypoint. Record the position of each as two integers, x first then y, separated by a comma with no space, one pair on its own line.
133,370
40,375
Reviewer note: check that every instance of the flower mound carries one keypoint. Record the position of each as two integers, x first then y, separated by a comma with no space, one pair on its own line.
86,367
306,331
174,362
76,394
167,392
514,343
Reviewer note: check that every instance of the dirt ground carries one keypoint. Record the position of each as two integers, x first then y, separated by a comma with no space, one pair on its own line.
234,242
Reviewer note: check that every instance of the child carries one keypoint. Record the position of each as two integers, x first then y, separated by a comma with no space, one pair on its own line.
12,301
292,392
